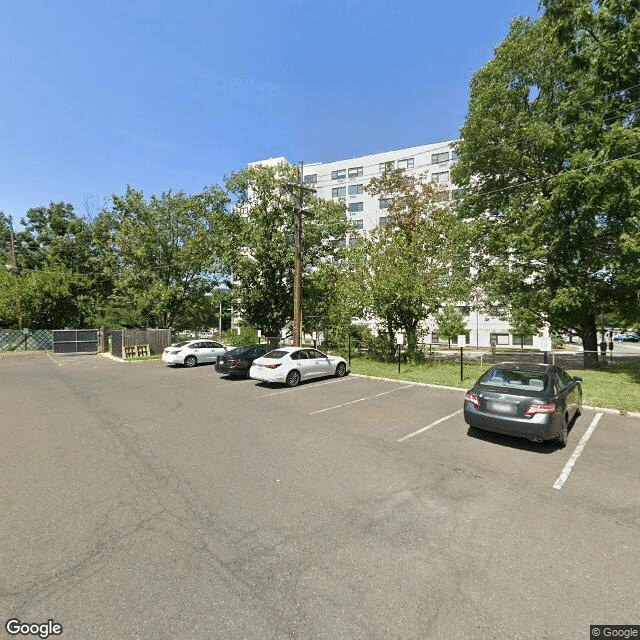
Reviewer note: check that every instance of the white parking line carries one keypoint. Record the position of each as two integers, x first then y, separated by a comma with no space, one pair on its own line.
360,399
52,360
578,450
433,424
317,384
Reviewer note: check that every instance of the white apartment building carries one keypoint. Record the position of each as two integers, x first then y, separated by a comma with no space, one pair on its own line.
345,181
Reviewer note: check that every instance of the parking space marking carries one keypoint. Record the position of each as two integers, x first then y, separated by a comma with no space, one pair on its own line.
317,384
578,450
433,424
52,360
360,399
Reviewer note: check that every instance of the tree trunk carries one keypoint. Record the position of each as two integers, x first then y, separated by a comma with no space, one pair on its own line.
392,341
589,334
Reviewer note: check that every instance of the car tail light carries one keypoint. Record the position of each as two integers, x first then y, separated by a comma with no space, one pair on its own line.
234,361
273,366
474,400
540,408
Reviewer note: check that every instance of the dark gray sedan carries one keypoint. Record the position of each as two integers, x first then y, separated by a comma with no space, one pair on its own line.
534,401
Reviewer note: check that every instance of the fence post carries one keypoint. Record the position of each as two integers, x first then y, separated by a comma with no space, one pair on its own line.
461,365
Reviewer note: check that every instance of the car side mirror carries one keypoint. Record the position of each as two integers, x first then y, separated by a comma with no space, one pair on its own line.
577,379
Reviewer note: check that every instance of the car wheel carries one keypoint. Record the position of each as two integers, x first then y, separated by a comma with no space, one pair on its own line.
293,378
341,370
190,361
564,434
247,374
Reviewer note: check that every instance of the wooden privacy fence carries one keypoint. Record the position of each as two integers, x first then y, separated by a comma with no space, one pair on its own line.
156,339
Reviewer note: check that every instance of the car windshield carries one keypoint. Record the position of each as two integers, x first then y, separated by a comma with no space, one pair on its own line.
275,355
515,379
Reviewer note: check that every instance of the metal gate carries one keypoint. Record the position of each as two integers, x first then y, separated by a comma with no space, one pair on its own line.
116,344
75,340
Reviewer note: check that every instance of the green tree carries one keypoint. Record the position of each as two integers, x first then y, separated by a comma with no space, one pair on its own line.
259,248
407,268
451,323
550,165
54,284
164,253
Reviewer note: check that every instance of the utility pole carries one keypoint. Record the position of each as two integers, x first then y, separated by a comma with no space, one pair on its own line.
297,266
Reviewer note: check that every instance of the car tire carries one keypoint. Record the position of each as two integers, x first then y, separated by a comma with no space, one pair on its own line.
293,378
341,370
564,434
190,361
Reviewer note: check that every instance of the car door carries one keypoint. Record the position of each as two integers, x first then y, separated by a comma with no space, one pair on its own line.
319,364
209,351
300,362
573,392
564,391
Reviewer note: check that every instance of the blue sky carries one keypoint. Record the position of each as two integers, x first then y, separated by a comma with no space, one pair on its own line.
173,95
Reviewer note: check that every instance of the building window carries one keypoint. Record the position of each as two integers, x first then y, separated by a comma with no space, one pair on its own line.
312,178
354,172
522,340
455,156
439,157
440,177
386,165
407,163
385,203
457,194
358,224
355,206
339,174
338,192
355,189
383,220
499,338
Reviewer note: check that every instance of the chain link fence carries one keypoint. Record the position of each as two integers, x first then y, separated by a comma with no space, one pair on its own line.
15,340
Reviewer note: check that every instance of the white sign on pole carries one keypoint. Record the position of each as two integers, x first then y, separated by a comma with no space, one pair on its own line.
399,338
542,344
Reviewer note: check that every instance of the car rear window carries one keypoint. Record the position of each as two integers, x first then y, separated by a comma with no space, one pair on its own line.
515,379
276,355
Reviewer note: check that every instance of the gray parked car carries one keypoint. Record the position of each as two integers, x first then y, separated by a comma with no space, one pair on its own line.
534,401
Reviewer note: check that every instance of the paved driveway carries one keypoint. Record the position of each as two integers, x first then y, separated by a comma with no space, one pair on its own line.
142,501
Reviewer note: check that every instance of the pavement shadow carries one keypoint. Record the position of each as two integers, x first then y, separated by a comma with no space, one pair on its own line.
546,447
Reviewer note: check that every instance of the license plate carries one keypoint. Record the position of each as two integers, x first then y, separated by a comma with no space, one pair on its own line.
502,407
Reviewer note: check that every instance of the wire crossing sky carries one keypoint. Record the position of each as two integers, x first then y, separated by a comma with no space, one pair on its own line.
165,95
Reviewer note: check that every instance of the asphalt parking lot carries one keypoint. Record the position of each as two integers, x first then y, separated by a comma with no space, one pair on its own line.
143,501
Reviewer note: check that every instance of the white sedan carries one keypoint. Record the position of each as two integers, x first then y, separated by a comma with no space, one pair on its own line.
290,365
192,352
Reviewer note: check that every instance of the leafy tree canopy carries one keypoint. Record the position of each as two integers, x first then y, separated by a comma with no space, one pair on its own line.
409,266
550,163
164,253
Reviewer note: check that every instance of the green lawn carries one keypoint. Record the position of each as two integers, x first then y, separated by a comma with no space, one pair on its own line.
617,388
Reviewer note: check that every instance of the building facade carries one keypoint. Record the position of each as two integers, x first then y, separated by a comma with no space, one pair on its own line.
345,181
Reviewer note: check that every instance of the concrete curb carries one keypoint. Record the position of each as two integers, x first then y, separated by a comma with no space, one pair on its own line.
626,414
